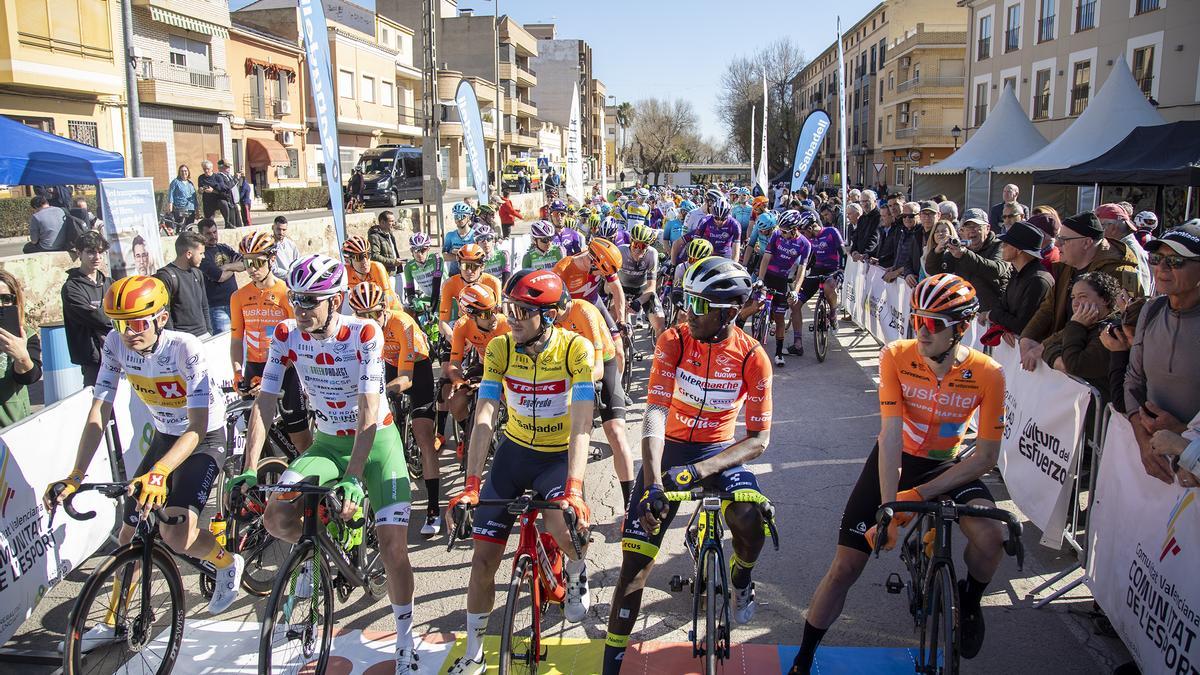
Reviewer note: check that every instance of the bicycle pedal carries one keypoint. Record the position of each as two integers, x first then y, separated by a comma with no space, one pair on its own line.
677,583
894,584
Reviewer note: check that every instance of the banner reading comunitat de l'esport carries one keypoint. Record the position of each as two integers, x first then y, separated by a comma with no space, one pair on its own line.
1142,566
316,50
472,126
816,125
574,150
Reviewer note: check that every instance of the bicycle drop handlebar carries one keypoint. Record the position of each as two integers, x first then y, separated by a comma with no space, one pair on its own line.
516,507
947,510
110,490
335,503
765,507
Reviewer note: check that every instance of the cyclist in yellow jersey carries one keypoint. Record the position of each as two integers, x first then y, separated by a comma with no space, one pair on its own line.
545,376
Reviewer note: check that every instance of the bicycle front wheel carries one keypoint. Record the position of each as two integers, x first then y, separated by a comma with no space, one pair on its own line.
821,328
297,630
114,625
713,603
520,636
264,554
940,634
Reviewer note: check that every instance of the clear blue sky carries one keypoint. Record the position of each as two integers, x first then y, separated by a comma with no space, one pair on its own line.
680,47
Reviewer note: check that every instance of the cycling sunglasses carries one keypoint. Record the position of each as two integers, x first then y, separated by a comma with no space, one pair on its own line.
306,302
931,323
519,312
637,245
472,266
543,240
256,263
133,325
374,314
479,313
699,306
1171,262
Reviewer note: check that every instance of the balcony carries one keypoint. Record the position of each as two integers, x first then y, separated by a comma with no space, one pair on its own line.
1144,6
984,48
924,132
1085,15
521,138
267,108
410,117
1012,39
526,108
524,77
922,83
164,83
1045,29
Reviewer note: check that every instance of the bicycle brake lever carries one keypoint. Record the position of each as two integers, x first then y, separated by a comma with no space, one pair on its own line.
572,521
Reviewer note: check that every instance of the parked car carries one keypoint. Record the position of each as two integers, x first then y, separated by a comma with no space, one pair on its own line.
391,174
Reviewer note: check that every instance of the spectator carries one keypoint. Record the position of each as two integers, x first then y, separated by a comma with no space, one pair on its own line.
889,235
219,264
948,210
286,252
1021,248
56,195
1127,208
1046,219
82,293
1160,384
940,236
384,249
82,211
1146,223
1077,349
853,215
1118,225
1009,195
509,214
244,190
45,226
22,365
523,180
908,247
216,193
1010,213
976,258
185,284
866,231
1117,339
1186,447
181,195
1083,249
232,191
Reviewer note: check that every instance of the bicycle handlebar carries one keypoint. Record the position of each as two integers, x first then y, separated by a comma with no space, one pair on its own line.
947,510
335,503
765,507
110,490
516,507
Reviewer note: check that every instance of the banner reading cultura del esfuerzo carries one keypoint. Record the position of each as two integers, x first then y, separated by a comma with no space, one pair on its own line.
472,126
316,50
816,125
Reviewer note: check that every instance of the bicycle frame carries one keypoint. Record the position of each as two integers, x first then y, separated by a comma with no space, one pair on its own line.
709,533
352,570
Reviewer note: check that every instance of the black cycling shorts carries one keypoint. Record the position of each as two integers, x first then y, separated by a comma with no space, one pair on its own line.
293,405
779,286
650,305
859,514
189,484
515,469
423,392
634,539
812,282
611,393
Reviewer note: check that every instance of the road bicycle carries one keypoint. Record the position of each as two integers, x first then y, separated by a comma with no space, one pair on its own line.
824,317
762,320
126,618
402,414
932,583
709,584
472,369
332,556
536,581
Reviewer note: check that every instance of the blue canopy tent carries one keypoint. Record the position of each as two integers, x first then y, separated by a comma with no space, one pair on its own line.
33,157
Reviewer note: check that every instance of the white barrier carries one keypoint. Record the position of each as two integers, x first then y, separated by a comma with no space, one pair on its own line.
881,307
1142,567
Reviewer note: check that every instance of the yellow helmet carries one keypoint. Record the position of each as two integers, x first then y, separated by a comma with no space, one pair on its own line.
135,297
642,233
699,248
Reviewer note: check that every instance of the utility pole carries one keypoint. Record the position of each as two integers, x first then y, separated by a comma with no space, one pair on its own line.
496,103
431,153
131,95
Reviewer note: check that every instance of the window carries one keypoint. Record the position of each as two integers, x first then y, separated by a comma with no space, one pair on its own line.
1085,15
891,81
879,133
873,53
80,27
1144,6
981,101
900,175
189,54
1010,82
890,126
1081,84
882,51
345,84
368,89
283,87
1041,95
84,132
1012,30
1045,30
387,94
292,170
1143,68
985,38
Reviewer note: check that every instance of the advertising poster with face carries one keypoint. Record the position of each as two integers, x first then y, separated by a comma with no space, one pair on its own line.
131,226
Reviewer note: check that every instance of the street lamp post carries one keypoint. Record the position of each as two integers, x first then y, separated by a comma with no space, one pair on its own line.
956,132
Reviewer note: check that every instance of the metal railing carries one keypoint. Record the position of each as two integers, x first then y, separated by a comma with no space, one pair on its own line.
984,48
1012,39
264,107
411,116
934,81
1046,29
1085,15
1079,98
150,69
924,131
980,114
1144,6
1041,106
1145,82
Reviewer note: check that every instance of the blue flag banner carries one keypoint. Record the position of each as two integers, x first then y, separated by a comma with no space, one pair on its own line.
316,50
472,126
816,125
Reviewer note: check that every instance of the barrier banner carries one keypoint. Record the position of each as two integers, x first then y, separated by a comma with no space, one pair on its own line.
1144,542
887,306
1044,413
131,226
854,289
34,453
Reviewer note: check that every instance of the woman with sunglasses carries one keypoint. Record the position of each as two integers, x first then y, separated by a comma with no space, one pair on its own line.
359,268
542,254
471,259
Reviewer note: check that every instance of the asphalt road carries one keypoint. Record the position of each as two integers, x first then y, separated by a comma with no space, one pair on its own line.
825,420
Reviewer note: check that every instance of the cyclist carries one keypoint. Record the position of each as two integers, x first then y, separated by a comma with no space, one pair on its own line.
593,220
588,274
480,323
463,234
472,257
168,372
496,262
703,372
407,368
756,243
742,210
929,388
719,229
782,272
255,309
422,274
672,226
639,275
485,215
340,362
545,375
697,250
610,229
828,251
543,254
360,268
565,238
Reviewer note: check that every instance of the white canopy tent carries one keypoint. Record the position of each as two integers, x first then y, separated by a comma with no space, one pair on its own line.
1006,136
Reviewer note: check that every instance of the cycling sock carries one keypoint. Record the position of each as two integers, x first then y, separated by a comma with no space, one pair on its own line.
796,336
739,571
972,592
404,624
779,346
441,421
808,648
614,653
218,556
626,489
476,626
434,490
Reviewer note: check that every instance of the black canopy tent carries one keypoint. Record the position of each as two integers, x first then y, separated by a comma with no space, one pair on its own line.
1160,155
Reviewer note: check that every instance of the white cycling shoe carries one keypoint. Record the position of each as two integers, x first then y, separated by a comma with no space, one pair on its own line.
465,666
407,661
432,526
743,603
579,601
227,586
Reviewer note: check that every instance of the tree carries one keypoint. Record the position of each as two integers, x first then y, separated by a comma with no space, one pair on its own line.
741,90
663,136
625,116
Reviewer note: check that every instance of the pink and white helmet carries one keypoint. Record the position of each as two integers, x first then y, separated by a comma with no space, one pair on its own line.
541,228
317,274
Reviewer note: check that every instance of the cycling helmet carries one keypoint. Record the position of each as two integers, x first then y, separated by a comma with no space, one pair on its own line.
605,209
643,234
809,218
720,210
471,253
712,195
539,289
317,274
541,229
366,296
462,210
607,229
485,209
718,280
605,255
686,206
945,296
257,243
699,248
790,220
356,245
571,223
483,231
572,209
135,297
1146,220
419,240
593,222
643,193
807,203
477,298
558,205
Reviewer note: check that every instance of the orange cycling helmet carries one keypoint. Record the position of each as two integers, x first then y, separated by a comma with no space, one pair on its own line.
135,297
356,245
257,243
471,253
945,296
476,298
541,289
366,296
605,255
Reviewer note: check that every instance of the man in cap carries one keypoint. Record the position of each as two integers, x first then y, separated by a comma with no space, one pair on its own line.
1117,225
1021,247
976,258
1082,248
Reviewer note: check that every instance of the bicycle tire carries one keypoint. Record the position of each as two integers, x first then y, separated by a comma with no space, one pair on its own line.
263,554
123,562
281,601
513,637
711,625
758,327
627,373
821,328
940,634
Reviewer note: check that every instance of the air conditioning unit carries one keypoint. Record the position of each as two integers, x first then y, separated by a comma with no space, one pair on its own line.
289,138
905,61
283,107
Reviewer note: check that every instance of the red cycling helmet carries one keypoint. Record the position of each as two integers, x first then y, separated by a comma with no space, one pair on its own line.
540,289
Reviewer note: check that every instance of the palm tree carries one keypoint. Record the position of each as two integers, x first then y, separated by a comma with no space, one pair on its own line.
624,116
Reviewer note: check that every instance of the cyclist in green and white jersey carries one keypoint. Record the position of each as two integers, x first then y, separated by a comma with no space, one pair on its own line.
495,260
422,274
542,253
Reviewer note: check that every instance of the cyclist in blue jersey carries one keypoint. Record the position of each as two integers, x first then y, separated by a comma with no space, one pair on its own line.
742,210
756,243
786,250
462,234
672,227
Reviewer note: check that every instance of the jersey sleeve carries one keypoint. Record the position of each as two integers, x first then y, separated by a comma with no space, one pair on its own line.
449,293
458,341
237,323
991,410
667,353
757,378
495,363
194,367
408,345
370,356
581,359
890,392
278,358
110,369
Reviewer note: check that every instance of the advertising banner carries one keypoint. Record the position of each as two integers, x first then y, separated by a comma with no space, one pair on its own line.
812,134
1044,412
472,127
1144,541
854,290
316,51
885,306
574,150
753,166
131,226
761,175
603,157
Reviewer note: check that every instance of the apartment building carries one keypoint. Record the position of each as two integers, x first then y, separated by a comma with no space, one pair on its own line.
453,161
599,102
562,63
612,134
61,69
1057,54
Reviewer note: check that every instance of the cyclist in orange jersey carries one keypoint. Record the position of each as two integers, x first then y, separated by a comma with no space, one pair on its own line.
360,268
481,322
471,262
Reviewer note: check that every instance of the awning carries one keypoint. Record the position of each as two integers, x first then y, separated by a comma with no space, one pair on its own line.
187,23
272,70
266,152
